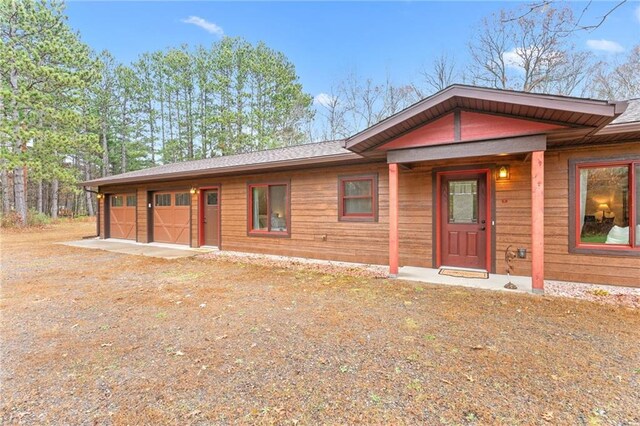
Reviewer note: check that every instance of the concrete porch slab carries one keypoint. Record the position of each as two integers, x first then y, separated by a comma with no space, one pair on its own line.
494,282
160,250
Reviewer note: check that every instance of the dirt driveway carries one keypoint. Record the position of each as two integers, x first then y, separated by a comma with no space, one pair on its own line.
90,337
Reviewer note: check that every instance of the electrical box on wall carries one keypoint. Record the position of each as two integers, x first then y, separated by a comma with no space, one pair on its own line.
522,253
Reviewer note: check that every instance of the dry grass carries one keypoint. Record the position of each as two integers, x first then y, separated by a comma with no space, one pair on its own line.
95,337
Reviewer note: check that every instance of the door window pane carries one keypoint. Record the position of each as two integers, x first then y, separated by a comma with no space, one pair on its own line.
183,199
604,205
278,204
131,200
259,208
212,198
463,201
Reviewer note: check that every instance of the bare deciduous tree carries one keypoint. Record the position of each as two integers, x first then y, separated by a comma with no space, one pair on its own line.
532,52
621,82
442,73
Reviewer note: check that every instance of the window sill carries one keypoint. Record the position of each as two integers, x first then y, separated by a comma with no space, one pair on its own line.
357,219
606,250
272,234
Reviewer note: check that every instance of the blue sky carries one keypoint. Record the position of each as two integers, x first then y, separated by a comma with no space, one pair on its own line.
326,40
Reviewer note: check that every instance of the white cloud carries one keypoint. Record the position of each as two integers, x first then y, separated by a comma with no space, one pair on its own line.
515,58
205,25
605,46
324,99
512,59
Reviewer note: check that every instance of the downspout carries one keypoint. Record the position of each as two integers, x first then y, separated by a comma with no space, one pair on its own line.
97,210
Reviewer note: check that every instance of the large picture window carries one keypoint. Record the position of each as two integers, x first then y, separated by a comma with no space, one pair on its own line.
269,208
606,214
358,198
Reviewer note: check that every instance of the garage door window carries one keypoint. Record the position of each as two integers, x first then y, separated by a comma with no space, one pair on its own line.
131,200
163,200
116,201
183,199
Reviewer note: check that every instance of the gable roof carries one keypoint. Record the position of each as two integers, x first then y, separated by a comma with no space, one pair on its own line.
296,155
570,111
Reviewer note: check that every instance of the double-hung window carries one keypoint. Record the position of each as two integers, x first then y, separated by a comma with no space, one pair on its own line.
358,198
605,215
269,207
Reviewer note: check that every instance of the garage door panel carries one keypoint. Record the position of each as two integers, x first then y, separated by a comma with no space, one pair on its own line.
122,216
171,220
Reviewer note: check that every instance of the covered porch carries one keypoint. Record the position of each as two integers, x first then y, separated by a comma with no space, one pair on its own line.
467,177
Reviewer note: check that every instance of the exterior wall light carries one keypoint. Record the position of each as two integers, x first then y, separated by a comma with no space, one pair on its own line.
99,196
503,173
194,190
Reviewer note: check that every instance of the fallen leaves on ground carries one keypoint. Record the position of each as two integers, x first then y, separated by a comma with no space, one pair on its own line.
294,345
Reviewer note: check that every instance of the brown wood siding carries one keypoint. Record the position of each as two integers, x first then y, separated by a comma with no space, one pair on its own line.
317,233
143,210
559,263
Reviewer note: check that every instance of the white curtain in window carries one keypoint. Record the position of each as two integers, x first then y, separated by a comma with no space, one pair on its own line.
584,174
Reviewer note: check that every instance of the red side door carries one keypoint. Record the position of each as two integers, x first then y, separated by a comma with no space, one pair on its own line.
210,217
463,220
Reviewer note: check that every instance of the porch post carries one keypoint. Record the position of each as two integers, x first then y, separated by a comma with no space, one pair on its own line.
537,221
393,220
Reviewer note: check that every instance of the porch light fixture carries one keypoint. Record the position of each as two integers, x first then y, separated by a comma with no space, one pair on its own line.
99,196
194,190
503,173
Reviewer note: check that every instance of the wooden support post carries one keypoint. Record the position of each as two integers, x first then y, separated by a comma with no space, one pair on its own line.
393,221
537,221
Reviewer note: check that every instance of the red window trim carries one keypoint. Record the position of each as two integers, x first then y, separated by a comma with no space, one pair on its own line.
576,246
268,232
358,217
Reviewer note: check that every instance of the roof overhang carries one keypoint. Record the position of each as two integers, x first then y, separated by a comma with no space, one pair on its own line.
580,116
506,146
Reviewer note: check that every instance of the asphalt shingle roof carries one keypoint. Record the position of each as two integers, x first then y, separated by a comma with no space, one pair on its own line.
259,159
631,114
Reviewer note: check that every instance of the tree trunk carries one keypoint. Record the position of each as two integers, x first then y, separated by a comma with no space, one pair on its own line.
54,198
6,200
105,149
20,194
39,198
19,190
89,198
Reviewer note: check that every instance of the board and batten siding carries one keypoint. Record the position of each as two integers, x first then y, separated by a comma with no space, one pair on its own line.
317,233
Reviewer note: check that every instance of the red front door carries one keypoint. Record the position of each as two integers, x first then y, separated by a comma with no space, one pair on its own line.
463,220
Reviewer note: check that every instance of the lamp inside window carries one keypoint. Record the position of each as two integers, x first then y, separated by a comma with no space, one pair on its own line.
503,173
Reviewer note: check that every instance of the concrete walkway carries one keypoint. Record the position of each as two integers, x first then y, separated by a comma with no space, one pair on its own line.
494,282
163,251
